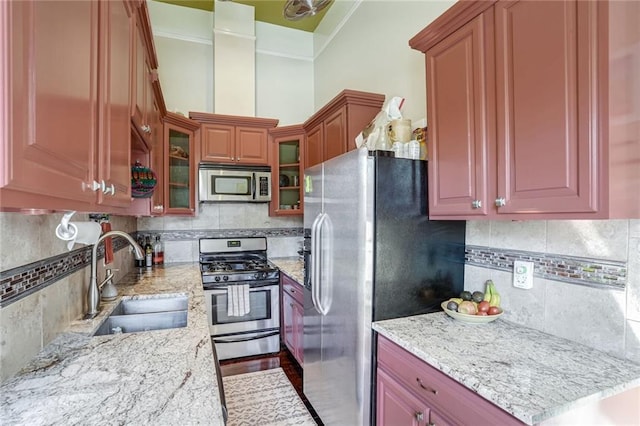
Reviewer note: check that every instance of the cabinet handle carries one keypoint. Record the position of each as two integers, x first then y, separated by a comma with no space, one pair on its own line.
291,304
419,416
427,388
500,202
476,204
94,185
146,128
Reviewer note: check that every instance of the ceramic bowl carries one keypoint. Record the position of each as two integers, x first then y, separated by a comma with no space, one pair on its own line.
471,319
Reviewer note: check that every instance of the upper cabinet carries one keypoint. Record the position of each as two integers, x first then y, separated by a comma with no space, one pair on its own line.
145,64
234,139
333,129
287,169
517,96
64,104
181,164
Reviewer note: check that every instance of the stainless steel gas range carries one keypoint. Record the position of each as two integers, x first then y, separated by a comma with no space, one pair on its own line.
242,297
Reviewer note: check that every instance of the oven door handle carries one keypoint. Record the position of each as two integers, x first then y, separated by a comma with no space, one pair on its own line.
246,339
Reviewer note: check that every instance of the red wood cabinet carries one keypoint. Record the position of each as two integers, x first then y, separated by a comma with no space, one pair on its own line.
518,100
64,105
419,394
293,317
332,130
181,165
287,153
234,139
144,75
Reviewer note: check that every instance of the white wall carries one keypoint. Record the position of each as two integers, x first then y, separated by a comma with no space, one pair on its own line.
371,53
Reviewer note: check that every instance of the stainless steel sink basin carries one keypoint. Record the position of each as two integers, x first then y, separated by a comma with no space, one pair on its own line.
145,314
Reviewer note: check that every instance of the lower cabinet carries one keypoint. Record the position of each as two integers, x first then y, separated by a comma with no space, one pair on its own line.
411,392
293,317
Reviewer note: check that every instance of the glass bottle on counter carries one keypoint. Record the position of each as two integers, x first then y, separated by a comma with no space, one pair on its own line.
148,253
158,252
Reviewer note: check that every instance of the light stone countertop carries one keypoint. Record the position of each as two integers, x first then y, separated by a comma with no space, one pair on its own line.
530,374
163,377
292,266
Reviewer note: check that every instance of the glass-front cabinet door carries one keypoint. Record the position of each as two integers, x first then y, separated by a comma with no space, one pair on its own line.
180,165
287,170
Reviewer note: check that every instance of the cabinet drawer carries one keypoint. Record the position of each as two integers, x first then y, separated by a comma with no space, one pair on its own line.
446,395
293,288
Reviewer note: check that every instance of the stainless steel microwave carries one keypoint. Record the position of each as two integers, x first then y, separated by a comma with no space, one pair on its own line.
234,183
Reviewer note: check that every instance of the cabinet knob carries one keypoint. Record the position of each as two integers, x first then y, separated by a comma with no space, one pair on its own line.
419,416
500,202
476,204
145,128
108,189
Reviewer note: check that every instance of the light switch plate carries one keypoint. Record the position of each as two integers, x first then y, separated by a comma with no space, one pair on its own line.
523,274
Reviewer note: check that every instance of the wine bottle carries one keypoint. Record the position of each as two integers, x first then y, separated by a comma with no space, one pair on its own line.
148,250
158,252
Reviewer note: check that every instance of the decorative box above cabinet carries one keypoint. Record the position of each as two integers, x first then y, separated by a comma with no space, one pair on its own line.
529,125
66,140
287,169
332,130
234,139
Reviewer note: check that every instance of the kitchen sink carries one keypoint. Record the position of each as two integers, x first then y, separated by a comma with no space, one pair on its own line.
144,314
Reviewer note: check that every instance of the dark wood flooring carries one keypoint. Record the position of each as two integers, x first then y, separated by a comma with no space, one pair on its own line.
282,359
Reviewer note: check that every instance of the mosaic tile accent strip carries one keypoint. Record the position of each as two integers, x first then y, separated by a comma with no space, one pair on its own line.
17,283
569,269
196,234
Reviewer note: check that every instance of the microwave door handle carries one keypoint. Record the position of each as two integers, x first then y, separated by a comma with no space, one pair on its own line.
253,186
246,339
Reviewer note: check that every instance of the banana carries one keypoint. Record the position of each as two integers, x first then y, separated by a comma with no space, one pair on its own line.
495,296
487,290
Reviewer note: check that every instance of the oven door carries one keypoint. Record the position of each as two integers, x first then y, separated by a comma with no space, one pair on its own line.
264,312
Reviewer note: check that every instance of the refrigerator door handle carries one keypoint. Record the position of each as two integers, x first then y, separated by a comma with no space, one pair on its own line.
323,290
314,261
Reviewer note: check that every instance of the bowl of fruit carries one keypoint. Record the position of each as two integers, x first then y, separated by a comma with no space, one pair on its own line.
476,307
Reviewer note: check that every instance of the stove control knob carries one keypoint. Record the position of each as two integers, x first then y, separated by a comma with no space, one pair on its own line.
256,276
225,278
217,278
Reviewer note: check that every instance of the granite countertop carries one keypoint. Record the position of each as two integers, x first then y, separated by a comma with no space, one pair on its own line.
292,266
159,377
530,374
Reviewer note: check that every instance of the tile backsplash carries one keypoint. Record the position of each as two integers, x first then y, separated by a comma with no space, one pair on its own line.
586,285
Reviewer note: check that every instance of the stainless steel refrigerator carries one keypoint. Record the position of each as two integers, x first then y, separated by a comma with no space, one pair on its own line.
374,255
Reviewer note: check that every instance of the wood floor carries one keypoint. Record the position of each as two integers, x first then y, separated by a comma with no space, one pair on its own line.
282,359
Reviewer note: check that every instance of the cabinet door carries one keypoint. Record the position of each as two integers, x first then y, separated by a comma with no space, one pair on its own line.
51,151
179,185
396,406
314,151
297,314
546,86
252,146
335,134
157,162
460,113
142,92
218,143
286,199
114,144
287,319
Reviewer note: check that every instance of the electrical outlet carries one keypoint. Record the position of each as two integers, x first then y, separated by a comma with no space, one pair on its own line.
523,274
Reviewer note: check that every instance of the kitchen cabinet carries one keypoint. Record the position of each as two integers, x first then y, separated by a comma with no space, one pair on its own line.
287,170
411,392
234,139
332,130
518,121
145,64
65,80
180,164
293,317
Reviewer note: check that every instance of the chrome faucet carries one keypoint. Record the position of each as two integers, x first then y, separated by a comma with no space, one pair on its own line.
93,294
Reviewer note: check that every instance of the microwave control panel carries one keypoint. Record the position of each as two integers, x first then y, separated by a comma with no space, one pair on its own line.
264,186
